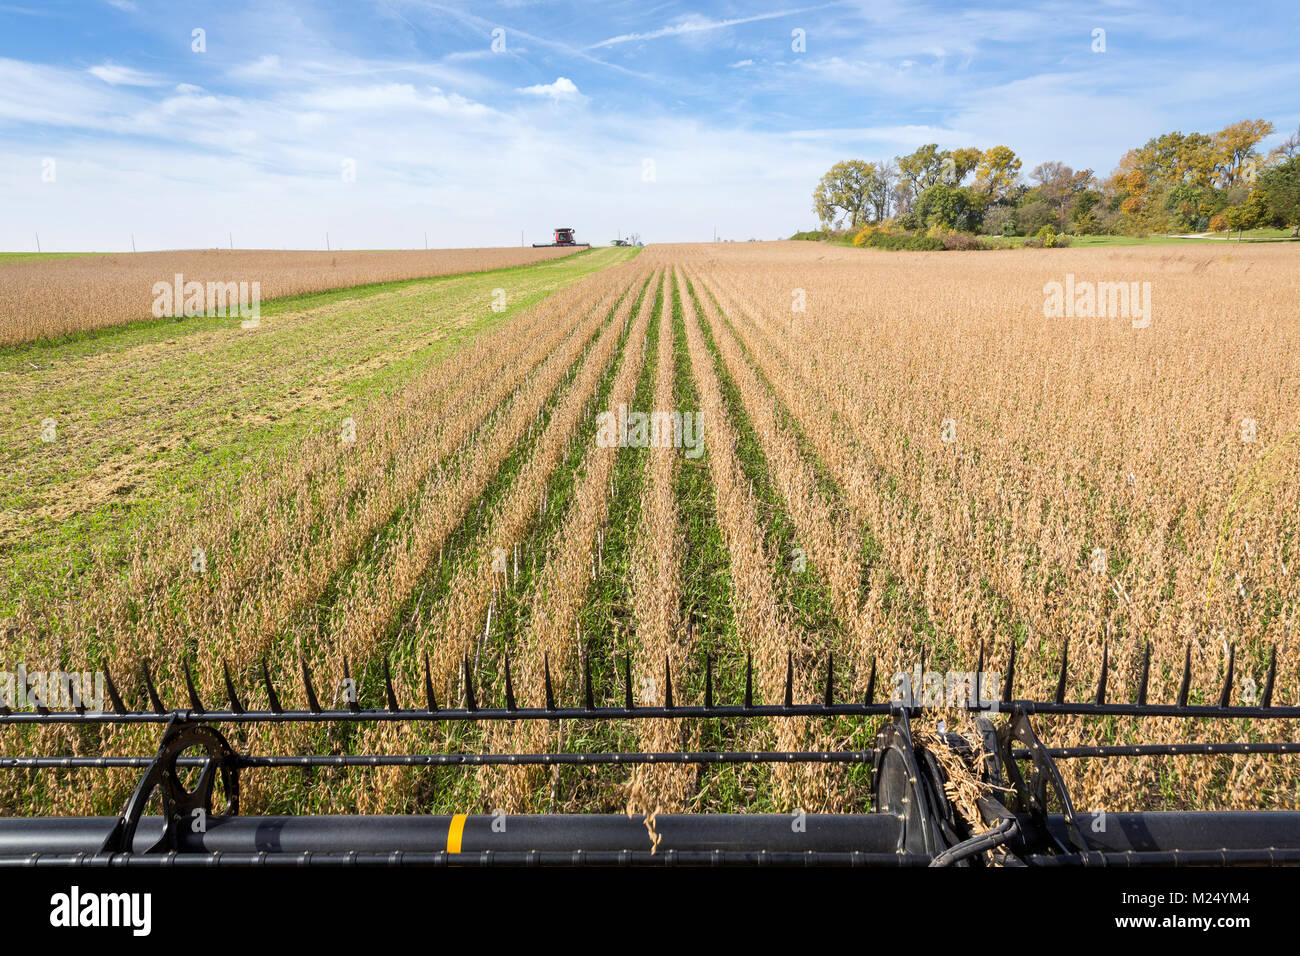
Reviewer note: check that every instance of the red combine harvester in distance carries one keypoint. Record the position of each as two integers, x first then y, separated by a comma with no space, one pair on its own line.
563,237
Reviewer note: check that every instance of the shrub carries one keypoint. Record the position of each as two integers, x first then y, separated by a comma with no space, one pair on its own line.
886,240
864,236
1087,225
963,242
1218,223
1048,237
924,243
909,221
936,241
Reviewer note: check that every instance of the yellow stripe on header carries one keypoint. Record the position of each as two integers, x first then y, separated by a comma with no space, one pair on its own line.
455,832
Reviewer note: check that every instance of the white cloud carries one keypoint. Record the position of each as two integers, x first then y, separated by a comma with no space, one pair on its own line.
274,72
889,135
454,146
267,168
264,67
115,74
694,23
51,96
562,89
1058,116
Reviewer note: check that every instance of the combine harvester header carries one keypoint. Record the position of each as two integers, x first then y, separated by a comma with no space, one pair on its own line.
1025,813
563,237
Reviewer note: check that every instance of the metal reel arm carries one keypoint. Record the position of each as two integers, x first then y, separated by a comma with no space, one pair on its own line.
180,806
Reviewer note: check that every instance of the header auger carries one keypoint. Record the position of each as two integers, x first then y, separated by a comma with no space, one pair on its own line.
1026,815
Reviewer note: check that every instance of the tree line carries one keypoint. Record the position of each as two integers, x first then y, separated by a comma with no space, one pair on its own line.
1176,182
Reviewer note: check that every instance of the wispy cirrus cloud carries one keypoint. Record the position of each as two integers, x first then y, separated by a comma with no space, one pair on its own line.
114,74
697,23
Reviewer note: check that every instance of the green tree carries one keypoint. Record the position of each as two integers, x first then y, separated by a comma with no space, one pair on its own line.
1034,215
1190,206
1249,214
1081,212
953,207
1279,189
922,168
845,192
1058,185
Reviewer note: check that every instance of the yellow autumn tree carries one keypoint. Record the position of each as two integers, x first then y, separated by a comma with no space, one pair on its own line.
997,172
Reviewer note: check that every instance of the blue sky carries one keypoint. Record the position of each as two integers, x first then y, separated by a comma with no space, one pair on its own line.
664,118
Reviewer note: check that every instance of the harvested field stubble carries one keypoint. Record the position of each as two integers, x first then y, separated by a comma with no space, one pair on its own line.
919,461
46,298
140,413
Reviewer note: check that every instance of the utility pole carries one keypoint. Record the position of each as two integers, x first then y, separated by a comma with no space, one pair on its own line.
327,242
231,237
38,242
133,242
426,241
